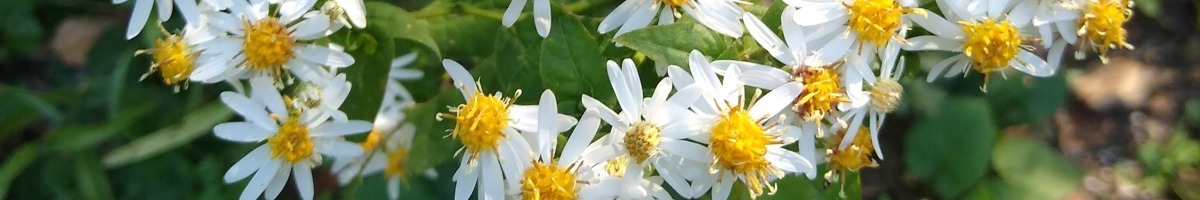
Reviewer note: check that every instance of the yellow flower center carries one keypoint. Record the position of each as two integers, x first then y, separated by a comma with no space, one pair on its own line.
616,166
267,46
875,21
480,122
173,59
990,44
822,92
372,141
677,3
641,141
740,145
853,157
885,96
548,181
1101,25
397,163
292,143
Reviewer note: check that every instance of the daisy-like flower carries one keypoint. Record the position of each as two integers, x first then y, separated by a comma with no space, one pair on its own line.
175,55
345,13
745,140
649,131
1056,22
547,177
141,13
292,141
391,129
859,27
988,36
489,127
541,15
614,181
854,157
262,43
1101,28
719,15
882,97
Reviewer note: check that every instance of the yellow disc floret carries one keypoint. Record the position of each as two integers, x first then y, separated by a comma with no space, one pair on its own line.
990,44
173,59
875,21
291,143
739,144
397,163
853,157
548,181
616,166
1102,25
677,3
267,46
641,141
480,122
822,92
372,141
885,96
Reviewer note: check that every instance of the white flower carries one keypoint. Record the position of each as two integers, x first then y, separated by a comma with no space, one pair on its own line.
987,33
859,27
340,10
1056,22
719,15
541,15
291,143
390,128
141,12
489,127
874,104
177,55
745,141
262,43
547,177
650,132
1102,26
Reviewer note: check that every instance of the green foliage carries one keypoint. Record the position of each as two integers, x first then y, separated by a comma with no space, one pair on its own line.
665,44
951,147
583,73
1032,170
192,126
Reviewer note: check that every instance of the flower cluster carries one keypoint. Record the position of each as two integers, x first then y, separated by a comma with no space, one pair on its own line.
834,79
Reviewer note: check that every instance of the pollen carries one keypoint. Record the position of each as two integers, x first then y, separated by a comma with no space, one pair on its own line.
641,141
885,96
616,166
875,21
480,122
173,59
292,142
397,163
822,92
1101,25
372,141
677,3
267,46
548,181
990,44
855,156
739,144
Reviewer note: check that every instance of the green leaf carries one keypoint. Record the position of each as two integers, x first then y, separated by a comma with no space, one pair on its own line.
83,137
463,34
93,182
368,76
795,187
950,148
192,126
400,25
431,139
14,164
570,64
671,44
1034,170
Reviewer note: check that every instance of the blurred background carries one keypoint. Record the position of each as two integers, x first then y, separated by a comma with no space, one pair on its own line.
75,122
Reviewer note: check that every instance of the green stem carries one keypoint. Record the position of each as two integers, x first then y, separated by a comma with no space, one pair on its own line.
472,10
432,11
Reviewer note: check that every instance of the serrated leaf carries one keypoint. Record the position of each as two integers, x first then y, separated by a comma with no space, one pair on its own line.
1033,170
670,44
192,126
570,63
368,76
951,147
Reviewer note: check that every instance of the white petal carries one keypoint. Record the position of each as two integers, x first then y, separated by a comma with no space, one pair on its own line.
1067,30
1034,65
190,13
338,148
679,77
996,8
325,56
137,20
338,129
541,17
958,68
250,110
629,101
547,129
852,130
687,150
836,48
1055,54
241,132
164,10
304,180
584,132
786,160
514,10
310,28
277,183
248,164
768,40
776,100
618,16
608,115
1023,13
929,42
461,77
291,10
355,11
936,24
819,13
721,190
259,182
640,17
264,91
491,186
464,180
940,67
